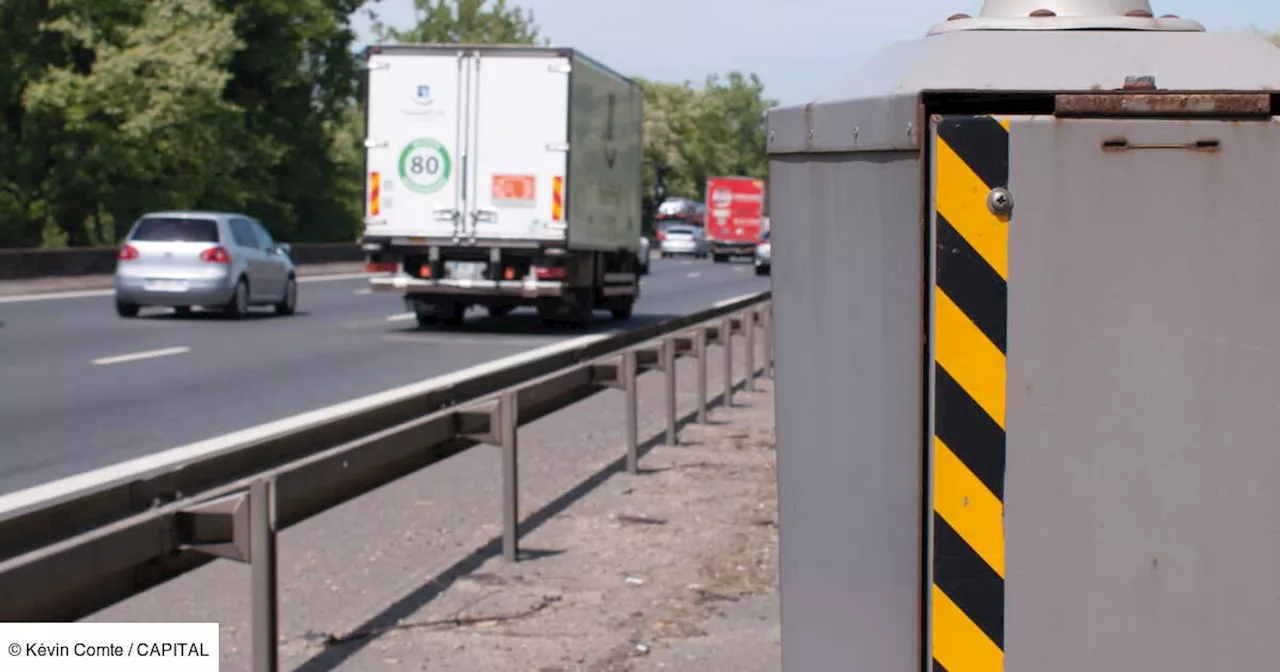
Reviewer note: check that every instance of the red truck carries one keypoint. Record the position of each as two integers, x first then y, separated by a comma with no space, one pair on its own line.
735,210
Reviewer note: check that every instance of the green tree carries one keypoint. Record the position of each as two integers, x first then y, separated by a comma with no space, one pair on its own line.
467,22
695,133
296,79
143,125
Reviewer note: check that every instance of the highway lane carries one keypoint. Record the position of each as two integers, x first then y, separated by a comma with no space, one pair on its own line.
81,388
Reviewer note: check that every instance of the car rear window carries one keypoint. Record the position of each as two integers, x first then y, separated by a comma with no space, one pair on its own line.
175,229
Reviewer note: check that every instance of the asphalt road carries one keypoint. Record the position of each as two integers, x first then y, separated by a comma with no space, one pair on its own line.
81,388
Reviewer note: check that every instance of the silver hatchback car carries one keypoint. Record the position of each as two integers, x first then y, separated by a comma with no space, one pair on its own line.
225,261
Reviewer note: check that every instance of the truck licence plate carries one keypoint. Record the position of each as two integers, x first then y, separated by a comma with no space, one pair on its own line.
466,270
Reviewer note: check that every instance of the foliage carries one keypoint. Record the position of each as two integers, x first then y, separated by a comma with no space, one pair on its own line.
110,108
695,133
149,113
465,21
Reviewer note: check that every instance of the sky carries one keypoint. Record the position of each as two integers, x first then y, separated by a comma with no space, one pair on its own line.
797,47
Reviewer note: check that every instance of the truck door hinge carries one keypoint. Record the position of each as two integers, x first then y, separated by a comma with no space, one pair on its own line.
377,65
370,143
562,68
557,147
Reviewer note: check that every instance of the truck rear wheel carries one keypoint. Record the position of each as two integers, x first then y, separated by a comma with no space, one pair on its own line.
500,311
720,258
448,314
584,309
623,308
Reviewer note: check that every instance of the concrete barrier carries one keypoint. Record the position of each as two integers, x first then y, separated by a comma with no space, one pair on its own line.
29,264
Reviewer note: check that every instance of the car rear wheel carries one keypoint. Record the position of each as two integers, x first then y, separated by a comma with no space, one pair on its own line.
238,306
127,309
182,311
720,258
289,303
500,311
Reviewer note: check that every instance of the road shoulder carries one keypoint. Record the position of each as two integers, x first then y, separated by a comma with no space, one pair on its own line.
671,569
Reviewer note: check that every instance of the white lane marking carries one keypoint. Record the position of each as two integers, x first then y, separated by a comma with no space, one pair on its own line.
695,275
740,269
133,357
417,338
17,503
402,317
735,299
90,293
363,292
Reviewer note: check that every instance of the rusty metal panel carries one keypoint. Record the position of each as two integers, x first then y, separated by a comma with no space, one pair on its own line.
1162,104
848,321
880,98
1143,381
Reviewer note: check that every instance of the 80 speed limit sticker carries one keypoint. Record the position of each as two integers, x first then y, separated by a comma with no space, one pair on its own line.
425,166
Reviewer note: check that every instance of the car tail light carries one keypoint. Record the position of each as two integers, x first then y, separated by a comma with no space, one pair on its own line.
216,255
380,267
660,235
551,272
128,253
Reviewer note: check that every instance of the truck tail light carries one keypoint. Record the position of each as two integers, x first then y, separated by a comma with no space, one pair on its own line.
557,199
375,194
551,272
380,267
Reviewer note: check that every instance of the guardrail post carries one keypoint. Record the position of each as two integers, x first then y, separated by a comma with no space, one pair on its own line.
629,373
726,341
700,351
508,423
669,369
766,325
262,568
749,329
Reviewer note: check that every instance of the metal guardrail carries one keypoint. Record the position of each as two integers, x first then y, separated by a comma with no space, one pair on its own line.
31,264
74,553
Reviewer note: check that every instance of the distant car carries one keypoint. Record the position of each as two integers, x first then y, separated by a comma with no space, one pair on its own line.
642,254
225,261
764,256
681,209
684,240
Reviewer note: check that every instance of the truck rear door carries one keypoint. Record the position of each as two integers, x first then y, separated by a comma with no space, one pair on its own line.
735,209
518,147
416,106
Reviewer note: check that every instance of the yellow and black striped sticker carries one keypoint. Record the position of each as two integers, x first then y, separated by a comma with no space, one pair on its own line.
971,158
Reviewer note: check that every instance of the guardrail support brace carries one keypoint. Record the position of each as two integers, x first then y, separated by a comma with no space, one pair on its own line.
669,371
726,342
508,422
749,331
629,373
262,568
700,351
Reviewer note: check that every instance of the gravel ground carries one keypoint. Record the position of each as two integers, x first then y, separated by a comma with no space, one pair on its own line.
672,570
620,572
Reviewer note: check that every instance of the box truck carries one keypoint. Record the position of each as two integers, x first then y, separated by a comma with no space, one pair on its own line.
735,211
502,176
